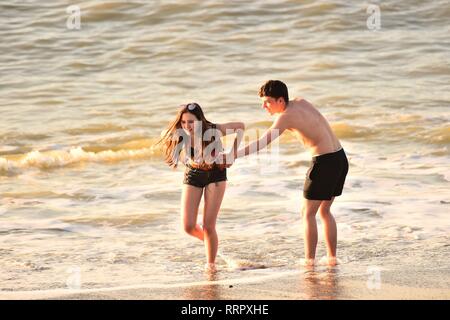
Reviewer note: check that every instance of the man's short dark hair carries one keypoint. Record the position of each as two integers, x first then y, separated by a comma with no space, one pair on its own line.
275,89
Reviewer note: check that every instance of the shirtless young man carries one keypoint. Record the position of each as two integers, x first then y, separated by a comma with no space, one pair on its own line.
326,176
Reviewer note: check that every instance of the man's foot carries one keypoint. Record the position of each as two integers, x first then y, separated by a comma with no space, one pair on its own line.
307,262
329,261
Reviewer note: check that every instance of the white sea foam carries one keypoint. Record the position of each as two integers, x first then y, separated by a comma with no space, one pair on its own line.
62,158
240,264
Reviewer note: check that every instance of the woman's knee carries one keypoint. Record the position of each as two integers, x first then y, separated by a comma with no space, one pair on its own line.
189,228
209,228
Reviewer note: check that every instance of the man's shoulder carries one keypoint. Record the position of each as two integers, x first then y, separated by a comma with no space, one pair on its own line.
283,116
300,101
283,119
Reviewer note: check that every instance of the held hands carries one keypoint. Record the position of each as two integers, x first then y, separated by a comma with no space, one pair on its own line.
225,160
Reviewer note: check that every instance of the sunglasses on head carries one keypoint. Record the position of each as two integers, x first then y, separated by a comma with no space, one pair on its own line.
192,106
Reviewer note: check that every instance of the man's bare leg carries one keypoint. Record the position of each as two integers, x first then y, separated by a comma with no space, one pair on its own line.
309,211
330,230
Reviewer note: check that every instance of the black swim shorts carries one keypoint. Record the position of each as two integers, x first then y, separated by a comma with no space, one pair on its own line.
326,176
201,178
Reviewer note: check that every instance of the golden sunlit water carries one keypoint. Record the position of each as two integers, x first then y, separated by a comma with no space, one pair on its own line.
82,190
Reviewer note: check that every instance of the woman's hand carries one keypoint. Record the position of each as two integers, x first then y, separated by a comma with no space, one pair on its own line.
225,160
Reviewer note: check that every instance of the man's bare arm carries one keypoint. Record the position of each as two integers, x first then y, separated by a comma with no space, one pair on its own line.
275,130
230,127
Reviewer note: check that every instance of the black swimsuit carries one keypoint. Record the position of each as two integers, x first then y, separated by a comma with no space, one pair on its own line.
326,177
201,178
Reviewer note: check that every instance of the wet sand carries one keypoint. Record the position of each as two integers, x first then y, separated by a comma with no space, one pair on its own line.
288,286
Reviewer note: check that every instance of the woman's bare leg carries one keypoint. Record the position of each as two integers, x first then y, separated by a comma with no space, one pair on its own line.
190,200
214,193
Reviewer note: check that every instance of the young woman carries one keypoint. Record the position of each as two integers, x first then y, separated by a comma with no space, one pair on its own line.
195,141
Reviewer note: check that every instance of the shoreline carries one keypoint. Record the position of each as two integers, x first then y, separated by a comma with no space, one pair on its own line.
286,286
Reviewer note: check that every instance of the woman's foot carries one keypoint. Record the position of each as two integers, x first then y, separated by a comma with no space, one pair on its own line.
210,267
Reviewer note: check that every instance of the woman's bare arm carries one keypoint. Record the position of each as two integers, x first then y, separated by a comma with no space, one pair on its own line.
230,127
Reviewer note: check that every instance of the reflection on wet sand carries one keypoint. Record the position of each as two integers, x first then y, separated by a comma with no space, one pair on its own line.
204,292
320,284
315,284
